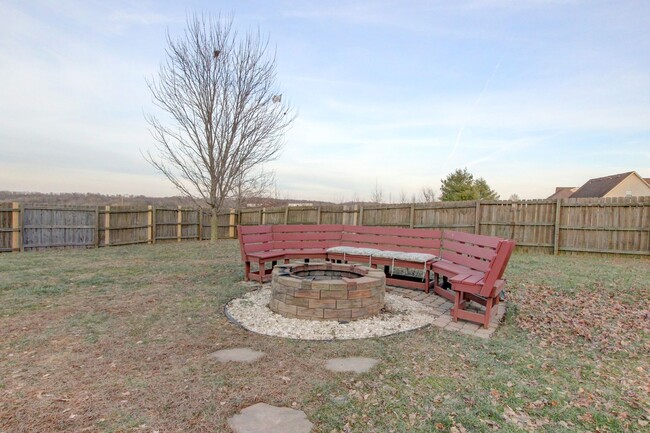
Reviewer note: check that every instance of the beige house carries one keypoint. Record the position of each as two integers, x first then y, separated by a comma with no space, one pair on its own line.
628,184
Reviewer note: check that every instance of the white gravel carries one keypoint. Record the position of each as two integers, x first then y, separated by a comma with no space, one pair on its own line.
401,314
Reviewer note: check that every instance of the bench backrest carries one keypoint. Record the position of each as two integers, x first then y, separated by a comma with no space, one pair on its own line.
476,252
392,238
485,254
497,267
306,236
253,239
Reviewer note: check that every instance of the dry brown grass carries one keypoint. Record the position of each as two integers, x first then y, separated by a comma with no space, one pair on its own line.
116,340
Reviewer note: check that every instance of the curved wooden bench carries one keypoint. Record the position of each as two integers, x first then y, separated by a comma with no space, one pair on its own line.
471,266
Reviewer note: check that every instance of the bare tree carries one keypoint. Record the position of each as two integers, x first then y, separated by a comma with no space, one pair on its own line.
224,115
403,197
428,194
377,196
258,187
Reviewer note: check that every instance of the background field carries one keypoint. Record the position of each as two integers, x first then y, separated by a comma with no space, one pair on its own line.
117,339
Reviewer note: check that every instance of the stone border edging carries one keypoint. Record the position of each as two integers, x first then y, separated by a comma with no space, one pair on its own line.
239,324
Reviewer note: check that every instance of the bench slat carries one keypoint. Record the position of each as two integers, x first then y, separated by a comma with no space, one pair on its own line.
482,240
470,262
294,236
470,250
306,228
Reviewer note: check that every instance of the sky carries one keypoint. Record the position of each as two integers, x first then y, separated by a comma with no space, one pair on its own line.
393,95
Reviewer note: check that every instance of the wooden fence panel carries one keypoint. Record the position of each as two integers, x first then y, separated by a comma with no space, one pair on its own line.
250,217
460,216
302,215
274,215
348,215
166,224
126,225
7,228
58,227
620,226
389,216
189,224
530,222
206,228
226,225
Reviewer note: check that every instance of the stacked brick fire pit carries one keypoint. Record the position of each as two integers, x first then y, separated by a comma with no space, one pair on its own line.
327,291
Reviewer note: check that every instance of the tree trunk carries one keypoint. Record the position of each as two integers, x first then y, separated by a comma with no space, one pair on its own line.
214,225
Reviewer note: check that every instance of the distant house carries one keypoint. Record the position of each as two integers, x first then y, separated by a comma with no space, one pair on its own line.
562,192
628,184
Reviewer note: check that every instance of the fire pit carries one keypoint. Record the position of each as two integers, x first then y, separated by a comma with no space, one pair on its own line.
327,291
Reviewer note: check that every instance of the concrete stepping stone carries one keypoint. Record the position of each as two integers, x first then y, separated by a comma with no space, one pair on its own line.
264,418
240,354
355,365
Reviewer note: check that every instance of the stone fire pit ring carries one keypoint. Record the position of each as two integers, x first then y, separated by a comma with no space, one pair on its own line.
327,291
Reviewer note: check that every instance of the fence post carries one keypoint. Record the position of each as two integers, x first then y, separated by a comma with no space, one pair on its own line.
150,224
231,224
107,226
318,215
556,234
179,226
412,215
96,236
477,222
359,221
16,226
262,216
286,215
199,215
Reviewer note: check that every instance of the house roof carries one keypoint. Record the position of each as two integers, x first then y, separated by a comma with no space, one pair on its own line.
600,186
562,192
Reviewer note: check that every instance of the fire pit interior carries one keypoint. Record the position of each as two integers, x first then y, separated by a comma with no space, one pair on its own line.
327,291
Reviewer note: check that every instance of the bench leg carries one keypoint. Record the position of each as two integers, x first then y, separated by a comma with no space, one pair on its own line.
488,312
247,271
457,301
426,281
261,270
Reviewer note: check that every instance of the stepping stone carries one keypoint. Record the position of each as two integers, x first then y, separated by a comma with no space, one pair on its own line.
264,418
241,354
355,365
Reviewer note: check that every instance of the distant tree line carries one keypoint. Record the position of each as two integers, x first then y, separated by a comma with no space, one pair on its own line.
94,199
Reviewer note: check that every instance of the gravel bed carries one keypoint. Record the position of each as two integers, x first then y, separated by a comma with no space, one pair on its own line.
400,314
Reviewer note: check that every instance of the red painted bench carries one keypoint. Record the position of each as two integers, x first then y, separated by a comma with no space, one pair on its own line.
484,289
264,244
472,266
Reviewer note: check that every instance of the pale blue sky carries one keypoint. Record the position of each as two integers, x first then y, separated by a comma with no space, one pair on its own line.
527,94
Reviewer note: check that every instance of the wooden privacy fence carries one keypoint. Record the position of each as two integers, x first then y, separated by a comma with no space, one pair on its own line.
34,227
611,225
617,226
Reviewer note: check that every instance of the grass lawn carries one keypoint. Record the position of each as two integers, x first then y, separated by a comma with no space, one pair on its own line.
117,339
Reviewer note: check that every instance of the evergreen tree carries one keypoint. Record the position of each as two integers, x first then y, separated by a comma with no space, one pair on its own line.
461,185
